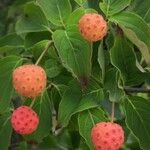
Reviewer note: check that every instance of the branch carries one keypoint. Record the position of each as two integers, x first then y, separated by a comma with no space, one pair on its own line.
136,90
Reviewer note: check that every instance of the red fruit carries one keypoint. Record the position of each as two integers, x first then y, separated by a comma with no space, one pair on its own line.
29,80
93,27
24,120
107,136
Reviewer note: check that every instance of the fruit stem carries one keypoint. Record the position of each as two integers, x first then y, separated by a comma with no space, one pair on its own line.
32,103
43,53
113,112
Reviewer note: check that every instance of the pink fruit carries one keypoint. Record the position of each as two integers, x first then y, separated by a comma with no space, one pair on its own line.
24,120
93,27
107,136
29,80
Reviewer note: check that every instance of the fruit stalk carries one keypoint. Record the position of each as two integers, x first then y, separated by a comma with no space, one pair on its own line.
113,112
32,103
43,53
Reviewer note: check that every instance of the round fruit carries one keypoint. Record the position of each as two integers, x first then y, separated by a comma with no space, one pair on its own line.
107,136
24,120
93,27
29,80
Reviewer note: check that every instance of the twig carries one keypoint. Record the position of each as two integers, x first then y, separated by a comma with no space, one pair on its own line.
54,120
136,90
58,131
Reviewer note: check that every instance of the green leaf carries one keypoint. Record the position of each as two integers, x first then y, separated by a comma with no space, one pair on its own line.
83,145
137,110
123,58
86,121
73,102
5,131
52,68
7,65
76,15
101,59
142,8
92,4
35,37
42,106
22,146
17,2
11,40
11,50
38,48
11,44
69,103
136,29
74,51
111,85
94,90
33,20
133,142
56,11
111,7
80,2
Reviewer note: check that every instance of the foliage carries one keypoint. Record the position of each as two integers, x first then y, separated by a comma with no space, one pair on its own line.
83,78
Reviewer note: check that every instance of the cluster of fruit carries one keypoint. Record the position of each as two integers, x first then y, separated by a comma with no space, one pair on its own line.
105,135
30,81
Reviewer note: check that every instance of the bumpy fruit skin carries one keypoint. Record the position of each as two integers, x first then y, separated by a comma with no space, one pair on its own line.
93,27
107,136
24,120
29,80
